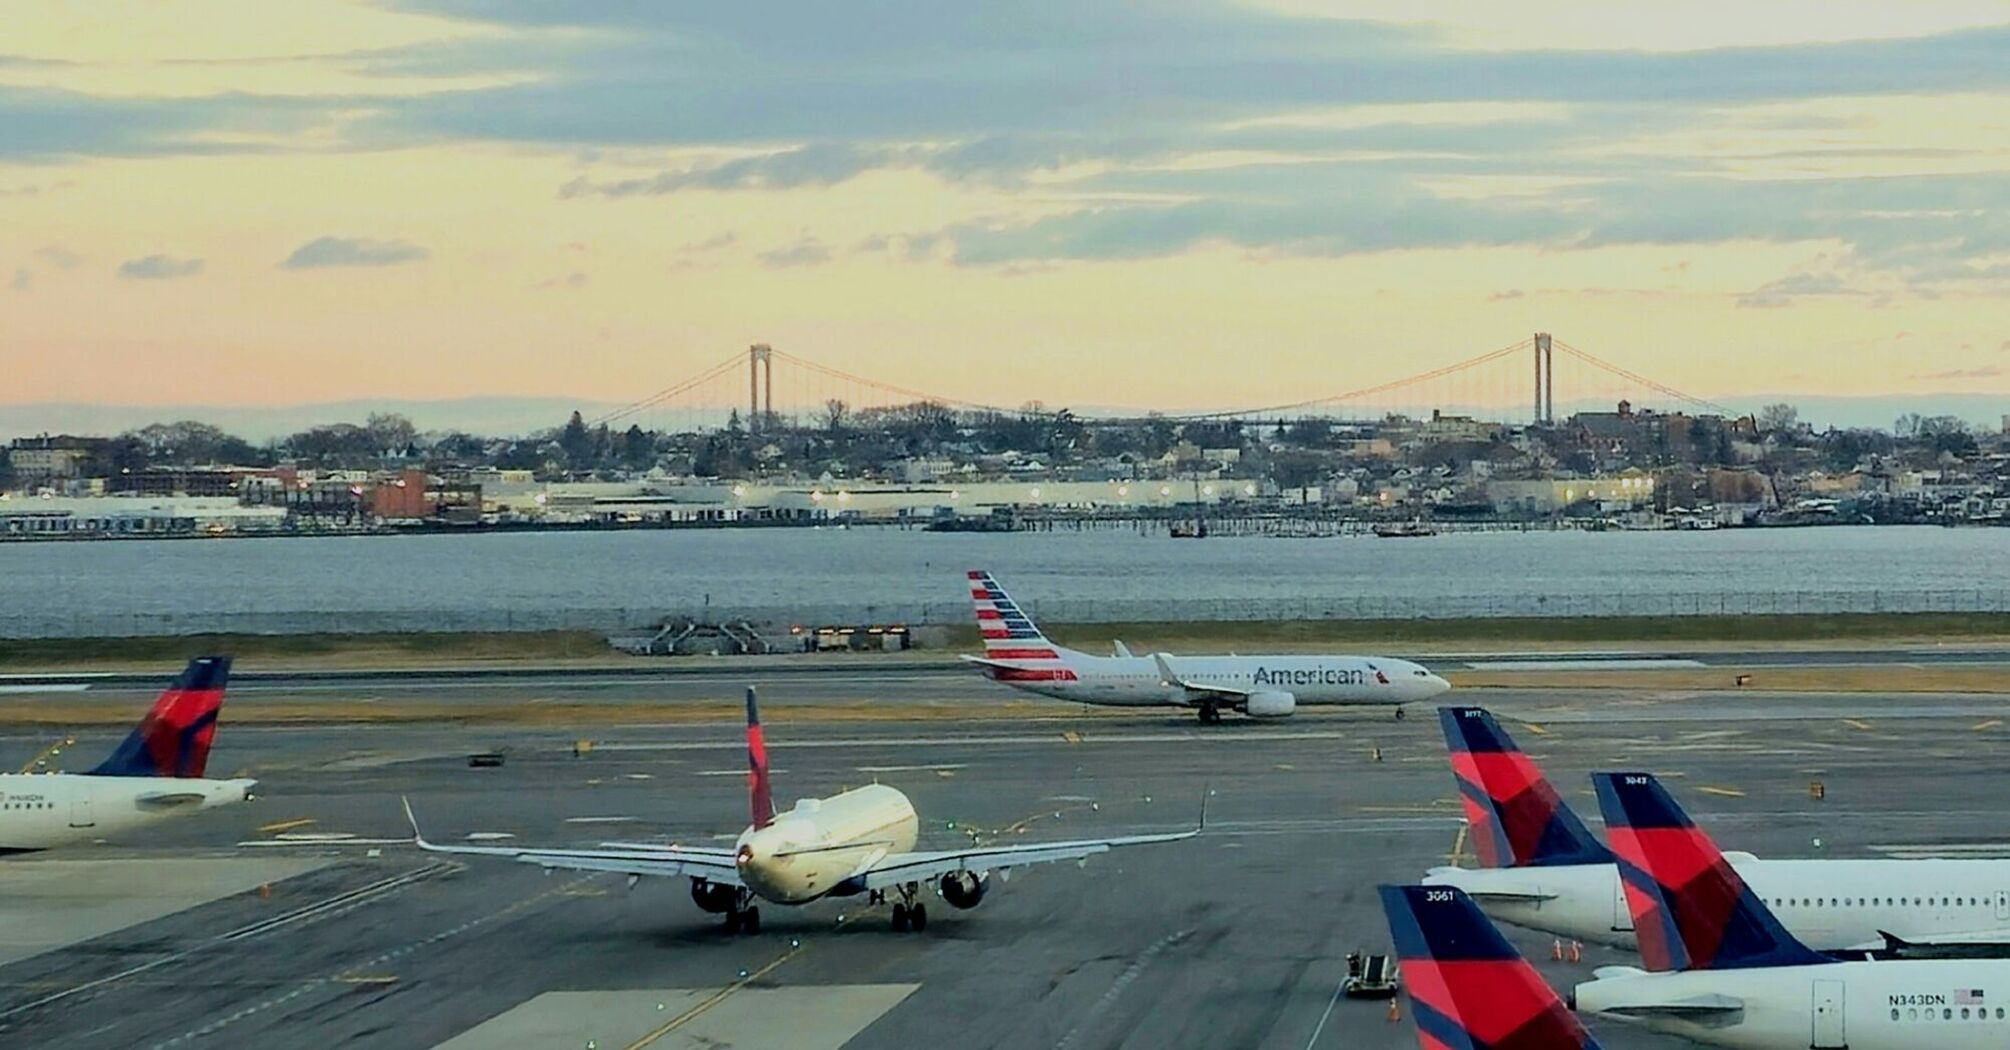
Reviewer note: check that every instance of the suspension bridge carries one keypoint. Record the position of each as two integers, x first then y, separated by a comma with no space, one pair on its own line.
1517,383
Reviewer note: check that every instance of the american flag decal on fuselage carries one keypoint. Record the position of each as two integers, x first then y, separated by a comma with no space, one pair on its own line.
1009,635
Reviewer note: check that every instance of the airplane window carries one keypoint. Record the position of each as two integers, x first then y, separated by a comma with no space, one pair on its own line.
1894,1013
1947,1013
1912,1015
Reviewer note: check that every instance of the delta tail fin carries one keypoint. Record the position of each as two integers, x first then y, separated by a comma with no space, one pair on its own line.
759,792
173,739
1468,986
1518,820
1691,910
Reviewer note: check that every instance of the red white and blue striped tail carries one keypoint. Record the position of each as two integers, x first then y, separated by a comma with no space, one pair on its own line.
1014,648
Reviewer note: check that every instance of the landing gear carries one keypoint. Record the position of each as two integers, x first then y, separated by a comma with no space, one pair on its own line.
908,913
1210,715
743,917
1399,712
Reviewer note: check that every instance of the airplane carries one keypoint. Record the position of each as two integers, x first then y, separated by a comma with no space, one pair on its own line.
155,774
1468,986
856,843
1017,654
1543,870
1721,969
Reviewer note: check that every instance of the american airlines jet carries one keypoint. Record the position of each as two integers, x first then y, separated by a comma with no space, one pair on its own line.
1542,869
155,774
1017,654
1721,970
856,843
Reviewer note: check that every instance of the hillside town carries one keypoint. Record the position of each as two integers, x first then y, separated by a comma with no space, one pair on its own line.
925,465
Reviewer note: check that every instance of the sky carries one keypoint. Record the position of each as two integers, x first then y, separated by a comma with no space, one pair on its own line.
1189,203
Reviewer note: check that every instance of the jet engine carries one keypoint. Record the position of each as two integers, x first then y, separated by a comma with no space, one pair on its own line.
715,897
963,889
1271,705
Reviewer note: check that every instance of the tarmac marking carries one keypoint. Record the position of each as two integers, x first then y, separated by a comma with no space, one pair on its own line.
1122,982
339,904
720,996
358,973
285,825
1856,723
1988,723
912,769
1709,789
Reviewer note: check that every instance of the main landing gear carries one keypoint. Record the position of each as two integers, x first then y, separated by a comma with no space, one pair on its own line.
743,916
1210,714
909,913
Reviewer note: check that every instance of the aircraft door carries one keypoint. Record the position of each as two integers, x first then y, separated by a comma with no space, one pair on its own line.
1828,1016
2003,905
80,812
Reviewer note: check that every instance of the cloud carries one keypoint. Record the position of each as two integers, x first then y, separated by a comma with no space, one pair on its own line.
806,252
352,251
1986,372
23,279
159,268
822,164
1511,293
713,243
575,279
58,256
1785,290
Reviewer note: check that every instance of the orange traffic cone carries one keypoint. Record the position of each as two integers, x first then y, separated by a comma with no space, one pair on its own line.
265,891
1576,951
1556,950
1395,1011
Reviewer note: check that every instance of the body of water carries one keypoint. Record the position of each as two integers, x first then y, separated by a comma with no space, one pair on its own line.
611,579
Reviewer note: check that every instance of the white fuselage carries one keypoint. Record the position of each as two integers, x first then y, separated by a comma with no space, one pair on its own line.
45,810
1135,680
1951,1004
1829,905
812,849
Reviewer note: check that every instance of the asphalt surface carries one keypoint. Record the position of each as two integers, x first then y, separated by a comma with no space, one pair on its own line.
1235,939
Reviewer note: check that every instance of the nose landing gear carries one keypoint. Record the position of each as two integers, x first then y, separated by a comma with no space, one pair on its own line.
743,916
1210,714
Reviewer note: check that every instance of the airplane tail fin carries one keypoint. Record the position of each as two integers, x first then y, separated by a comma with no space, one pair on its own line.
1468,985
1691,910
1518,820
1010,636
759,793
173,739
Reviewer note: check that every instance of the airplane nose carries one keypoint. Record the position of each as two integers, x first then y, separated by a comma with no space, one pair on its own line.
250,790
1438,685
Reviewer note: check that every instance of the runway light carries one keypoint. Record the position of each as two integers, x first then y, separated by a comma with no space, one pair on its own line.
795,943
1123,490
1165,490
743,975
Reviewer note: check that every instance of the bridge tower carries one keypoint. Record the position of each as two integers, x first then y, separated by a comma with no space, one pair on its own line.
760,386
1545,381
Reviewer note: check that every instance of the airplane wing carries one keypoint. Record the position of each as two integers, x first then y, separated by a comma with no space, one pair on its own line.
1975,944
168,799
1195,690
896,868
1696,1006
712,865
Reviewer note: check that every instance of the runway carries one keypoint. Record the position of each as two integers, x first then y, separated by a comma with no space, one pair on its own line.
857,679
1233,939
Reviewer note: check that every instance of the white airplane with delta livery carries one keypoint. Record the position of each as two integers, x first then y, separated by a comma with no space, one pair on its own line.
1017,654
155,774
856,843
1722,971
1542,869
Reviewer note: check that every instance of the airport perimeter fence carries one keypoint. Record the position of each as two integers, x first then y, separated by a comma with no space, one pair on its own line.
634,621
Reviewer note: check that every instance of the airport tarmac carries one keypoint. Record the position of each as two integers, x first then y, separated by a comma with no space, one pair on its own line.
1237,938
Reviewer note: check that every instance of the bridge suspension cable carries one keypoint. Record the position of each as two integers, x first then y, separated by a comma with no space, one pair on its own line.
1635,377
671,391
1364,392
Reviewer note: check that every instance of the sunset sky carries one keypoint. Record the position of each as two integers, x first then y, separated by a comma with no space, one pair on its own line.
1197,202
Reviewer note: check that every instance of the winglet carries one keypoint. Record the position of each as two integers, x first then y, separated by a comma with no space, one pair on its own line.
1164,663
418,837
760,795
